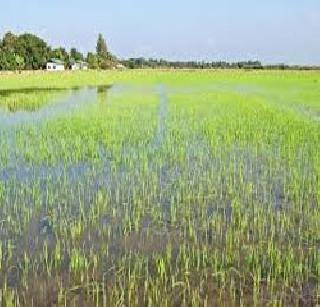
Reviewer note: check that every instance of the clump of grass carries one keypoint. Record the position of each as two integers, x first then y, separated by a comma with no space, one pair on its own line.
14,102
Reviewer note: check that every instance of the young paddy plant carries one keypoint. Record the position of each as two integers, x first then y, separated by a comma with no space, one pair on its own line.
22,100
184,188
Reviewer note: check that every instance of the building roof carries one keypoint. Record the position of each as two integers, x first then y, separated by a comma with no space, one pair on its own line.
78,62
56,61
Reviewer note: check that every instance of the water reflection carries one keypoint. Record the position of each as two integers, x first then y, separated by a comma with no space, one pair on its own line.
102,93
73,99
34,90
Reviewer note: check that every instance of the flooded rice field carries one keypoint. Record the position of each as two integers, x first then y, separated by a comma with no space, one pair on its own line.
174,189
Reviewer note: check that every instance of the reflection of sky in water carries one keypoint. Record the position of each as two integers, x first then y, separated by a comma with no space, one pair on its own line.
73,100
76,98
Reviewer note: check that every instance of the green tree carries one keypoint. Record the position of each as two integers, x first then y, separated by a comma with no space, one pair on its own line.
92,60
9,42
27,51
7,60
20,63
102,50
105,63
33,49
59,53
105,59
7,52
76,55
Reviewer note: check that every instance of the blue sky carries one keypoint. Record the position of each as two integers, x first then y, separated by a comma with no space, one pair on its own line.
273,31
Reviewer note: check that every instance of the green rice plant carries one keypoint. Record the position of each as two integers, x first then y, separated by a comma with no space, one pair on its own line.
181,188
21,101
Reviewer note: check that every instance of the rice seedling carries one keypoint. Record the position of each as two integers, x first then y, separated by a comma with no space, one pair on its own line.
167,189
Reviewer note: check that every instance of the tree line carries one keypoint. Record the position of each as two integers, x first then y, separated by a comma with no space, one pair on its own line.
135,63
29,52
140,63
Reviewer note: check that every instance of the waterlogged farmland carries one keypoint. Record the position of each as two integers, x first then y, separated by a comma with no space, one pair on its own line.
152,188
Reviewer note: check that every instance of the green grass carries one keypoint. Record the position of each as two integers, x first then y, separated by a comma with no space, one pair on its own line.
189,188
22,101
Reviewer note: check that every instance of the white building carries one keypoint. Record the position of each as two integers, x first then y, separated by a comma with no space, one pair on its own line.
55,65
79,65
120,66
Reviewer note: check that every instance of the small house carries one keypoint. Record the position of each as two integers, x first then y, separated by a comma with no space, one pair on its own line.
120,66
55,65
79,65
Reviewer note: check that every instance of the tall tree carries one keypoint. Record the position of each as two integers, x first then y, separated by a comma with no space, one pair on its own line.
9,42
76,55
105,60
102,50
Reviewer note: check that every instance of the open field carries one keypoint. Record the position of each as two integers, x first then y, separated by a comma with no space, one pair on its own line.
160,188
